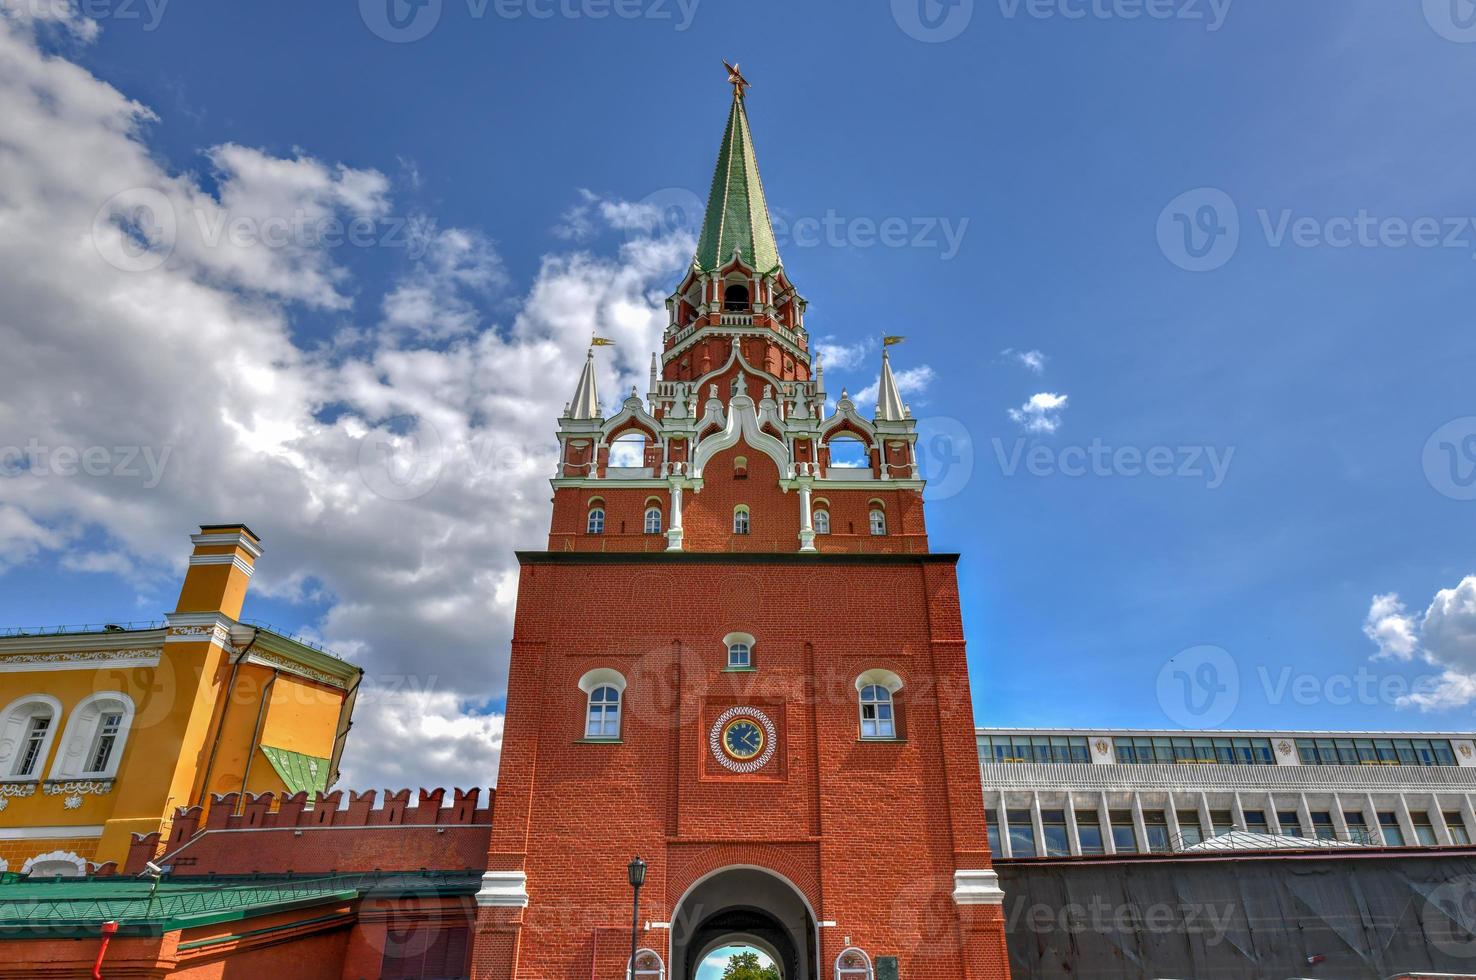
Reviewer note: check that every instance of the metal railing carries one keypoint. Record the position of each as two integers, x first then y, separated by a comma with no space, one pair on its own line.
122,626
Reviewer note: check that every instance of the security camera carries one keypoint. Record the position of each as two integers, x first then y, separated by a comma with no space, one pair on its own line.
154,869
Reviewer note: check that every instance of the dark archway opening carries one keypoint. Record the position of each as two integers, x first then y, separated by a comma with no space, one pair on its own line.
735,299
745,906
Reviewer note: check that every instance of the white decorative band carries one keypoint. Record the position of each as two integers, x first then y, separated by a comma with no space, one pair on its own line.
235,560
504,890
49,833
17,790
233,539
81,660
977,887
86,787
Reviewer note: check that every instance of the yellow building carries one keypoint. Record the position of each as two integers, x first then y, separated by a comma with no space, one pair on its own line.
104,732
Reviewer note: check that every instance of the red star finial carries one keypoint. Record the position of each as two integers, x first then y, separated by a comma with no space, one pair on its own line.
736,79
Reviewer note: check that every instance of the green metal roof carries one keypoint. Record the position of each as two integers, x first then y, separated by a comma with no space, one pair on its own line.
737,212
72,907
302,773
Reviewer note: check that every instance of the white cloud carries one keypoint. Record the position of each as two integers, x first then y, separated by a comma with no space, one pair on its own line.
911,382
1033,360
836,356
1391,628
391,469
1042,413
1444,637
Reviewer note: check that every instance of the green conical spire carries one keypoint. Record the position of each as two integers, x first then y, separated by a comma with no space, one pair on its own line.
737,212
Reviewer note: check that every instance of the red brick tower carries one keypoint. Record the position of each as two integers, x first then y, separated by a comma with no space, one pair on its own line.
739,660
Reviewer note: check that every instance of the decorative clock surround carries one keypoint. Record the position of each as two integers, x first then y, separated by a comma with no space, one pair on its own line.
743,756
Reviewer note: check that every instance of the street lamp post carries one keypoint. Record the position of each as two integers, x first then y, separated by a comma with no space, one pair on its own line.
637,869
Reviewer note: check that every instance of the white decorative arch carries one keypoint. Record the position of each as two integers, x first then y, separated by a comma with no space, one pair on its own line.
864,971
879,676
602,677
55,864
15,724
742,425
73,758
659,973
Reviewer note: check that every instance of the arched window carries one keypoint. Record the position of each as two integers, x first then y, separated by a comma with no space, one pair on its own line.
822,522
878,521
606,689
596,523
853,964
740,650
735,298
875,690
26,730
648,965
653,520
96,734
741,523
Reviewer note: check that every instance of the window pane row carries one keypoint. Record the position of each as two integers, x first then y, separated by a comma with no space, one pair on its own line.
1225,751
1375,752
1034,748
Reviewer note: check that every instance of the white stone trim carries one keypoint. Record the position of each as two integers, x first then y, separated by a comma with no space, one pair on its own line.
504,890
80,660
234,560
65,857
44,833
977,887
219,539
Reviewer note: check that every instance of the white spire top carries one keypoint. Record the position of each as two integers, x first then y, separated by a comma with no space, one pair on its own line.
888,400
586,404
655,371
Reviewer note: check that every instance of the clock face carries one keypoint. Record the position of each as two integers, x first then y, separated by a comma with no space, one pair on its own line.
743,739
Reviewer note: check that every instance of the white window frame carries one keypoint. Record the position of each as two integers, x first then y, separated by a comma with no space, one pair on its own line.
659,973
852,973
741,514
821,521
79,743
879,681
878,522
594,521
650,512
743,641
15,726
603,679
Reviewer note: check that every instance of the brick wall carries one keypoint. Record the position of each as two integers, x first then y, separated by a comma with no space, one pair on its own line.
870,833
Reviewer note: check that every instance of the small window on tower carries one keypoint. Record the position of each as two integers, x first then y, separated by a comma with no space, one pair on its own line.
596,524
822,522
735,299
740,468
878,521
741,524
653,520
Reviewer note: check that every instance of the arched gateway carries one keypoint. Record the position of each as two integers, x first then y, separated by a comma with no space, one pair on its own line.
745,906
771,709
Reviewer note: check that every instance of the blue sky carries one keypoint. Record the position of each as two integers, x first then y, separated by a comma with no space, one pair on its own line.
1307,376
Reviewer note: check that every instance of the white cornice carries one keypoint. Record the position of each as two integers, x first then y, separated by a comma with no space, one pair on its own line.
80,660
89,642
977,887
223,559
504,889
218,539
41,833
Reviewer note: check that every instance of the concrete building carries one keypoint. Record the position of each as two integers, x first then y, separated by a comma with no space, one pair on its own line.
1056,792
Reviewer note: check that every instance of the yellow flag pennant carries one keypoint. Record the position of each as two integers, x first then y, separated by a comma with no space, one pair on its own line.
601,342
890,341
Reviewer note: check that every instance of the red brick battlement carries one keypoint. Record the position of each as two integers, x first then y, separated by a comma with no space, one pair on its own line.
288,835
